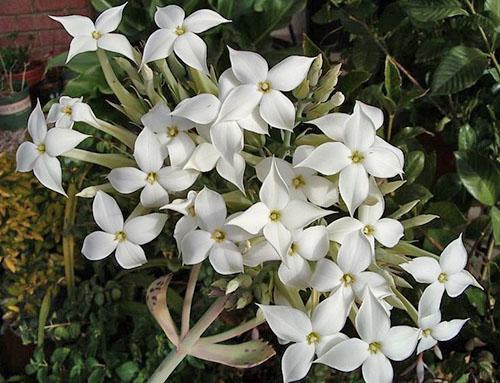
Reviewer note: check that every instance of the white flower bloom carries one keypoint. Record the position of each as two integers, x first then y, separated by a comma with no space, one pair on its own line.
179,34
310,244
70,110
386,231
432,329
355,153
349,275
308,335
257,251
125,238
447,274
40,155
379,344
189,221
88,36
263,87
155,180
172,132
277,214
303,183
215,239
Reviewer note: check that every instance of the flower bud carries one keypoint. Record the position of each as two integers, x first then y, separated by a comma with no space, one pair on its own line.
302,91
315,71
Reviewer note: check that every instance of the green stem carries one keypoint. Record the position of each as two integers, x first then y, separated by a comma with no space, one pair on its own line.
235,331
121,134
188,299
410,309
69,239
108,160
389,127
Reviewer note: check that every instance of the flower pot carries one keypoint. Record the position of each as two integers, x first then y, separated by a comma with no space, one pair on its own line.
33,75
15,109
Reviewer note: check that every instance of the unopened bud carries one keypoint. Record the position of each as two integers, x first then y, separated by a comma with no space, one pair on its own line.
245,299
315,71
302,91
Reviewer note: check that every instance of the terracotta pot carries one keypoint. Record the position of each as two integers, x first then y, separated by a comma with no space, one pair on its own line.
34,74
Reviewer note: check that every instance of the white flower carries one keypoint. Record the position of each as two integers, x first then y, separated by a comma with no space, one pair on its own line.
359,154
70,110
387,231
189,221
155,180
125,238
429,321
447,274
40,155
88,37
310,244
349,275
215,239
178,34
277,214
303,183
308,335
264,87
172,132
379,344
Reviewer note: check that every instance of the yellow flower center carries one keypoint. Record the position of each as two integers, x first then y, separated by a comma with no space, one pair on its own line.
152,177
67,110
298,182
443,277
374,347
348,279
190,211
357,157
96,35
293,249
264,86
41,148
275,215
313,337
172,131
180,30
120,236
218,236
427,332
368,230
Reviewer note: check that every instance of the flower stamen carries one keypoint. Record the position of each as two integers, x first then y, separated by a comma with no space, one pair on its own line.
348,279
313,337
180,30
67,110
357,157
298,182
120,236
374,347
443,277
368,230
172,131
275,215
152,177
190,211
96,35
40,148
264,86
427,332
218,236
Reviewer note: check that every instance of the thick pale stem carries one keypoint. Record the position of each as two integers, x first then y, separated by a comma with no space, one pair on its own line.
167,366
69,239
110,161
188,299
235,331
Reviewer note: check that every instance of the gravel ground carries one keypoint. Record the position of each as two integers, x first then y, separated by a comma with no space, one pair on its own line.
10,140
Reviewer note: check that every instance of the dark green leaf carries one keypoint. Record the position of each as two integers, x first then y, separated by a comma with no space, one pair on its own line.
433,10
466,137
127,371
97,376
495,223
392,81
449,213
493,6
353,80
477,298
414,165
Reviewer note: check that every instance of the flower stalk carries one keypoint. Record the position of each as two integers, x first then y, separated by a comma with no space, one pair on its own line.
109,161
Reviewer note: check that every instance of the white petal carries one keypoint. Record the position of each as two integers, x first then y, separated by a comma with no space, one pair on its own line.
184,225
321,192
159,45
110,19
37,127
239,103
26,156
204,158
232,171
203,19
274,192
226,258
76,25
81,44
248,67
180,149
346,356
370,214
145,228
227,82
380,143
326,275
372,322
423,269
107,214
296,273
285,170
430,301
355,253
127,180
429,321
154,195
382,163
254,123
454,257
456,283
289,73
253,219
279,237
129,255
313,243
260,253
227,137
359,132
60,140
298,214
426,343
98,245
83,113
192,50
175,179
375,114
147,152
210,209
329,158
377,369
287,322
368,279
157,117
448,329
400,342
201,109
169,17
115,42
341,227
330,316
332,125
388,232
48,171
195,246
353,186
277,110
296,361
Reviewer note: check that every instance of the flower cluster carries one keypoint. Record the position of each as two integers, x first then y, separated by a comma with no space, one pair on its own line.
293,199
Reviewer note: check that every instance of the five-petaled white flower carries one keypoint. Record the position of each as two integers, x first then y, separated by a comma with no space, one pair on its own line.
155,179
356,152
349,275
277,214
189,221
125,238
447,274
215,239
179,34
308,335
379,344
70,110
88,37
40,155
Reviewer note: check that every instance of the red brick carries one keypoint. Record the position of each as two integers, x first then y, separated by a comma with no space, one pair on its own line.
53,37
48,5
15,7
7,24
23,39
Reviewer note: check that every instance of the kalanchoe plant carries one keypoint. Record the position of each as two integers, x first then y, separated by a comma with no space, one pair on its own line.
282,200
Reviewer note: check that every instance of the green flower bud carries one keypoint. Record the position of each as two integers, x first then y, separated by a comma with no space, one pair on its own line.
302,91
315,71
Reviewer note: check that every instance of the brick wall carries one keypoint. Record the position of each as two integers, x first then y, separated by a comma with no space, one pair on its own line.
29,18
